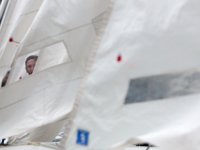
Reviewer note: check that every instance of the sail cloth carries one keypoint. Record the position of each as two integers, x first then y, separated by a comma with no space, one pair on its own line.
58,34
17,20
144,82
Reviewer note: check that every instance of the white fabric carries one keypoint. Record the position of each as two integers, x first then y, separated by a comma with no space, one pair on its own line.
48,95
48,55
142,39
59,17
18,18
152,38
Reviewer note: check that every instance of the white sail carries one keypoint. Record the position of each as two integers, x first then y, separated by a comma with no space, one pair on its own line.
141,84
144,83
57,34
17,19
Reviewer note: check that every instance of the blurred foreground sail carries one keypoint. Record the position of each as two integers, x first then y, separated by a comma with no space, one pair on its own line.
141,84
34,107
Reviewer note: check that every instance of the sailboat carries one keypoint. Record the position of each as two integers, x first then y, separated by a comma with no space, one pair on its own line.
110,75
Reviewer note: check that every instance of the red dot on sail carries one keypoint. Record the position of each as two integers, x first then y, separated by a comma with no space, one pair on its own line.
11,39
119,58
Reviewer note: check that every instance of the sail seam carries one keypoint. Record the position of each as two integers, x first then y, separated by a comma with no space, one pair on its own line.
70,122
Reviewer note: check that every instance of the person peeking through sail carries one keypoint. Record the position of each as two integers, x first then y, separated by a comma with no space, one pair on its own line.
30,63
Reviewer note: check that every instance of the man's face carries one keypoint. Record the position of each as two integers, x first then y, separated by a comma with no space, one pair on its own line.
30,65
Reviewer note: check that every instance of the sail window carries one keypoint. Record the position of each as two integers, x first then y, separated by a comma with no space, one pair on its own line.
52,55
24,66
163,86
39,60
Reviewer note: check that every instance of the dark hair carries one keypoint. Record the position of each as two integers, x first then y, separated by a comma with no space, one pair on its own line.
35,57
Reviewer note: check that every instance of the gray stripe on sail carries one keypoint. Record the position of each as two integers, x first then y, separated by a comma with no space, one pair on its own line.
163,86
